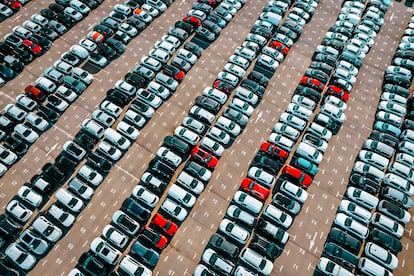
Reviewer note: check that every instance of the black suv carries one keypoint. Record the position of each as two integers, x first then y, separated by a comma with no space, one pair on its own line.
268,248
207,103
136,80
176,145
161,169
99,162
220,244
136,210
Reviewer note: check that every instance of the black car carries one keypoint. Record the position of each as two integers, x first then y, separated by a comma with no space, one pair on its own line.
92,4
57,8
53,174
308,92
151,237
8,228
386,240
138,24
85,141
289,33
185,26
274,9
202,7
65,3
259,78
195,169
136,80
328,59
65,20
119,17
193,48
103,29
286,203
65,164
41,41
48,114
393,88
340,255
261,160
266,247
15,145
5,72
253,86
408,54
211,26
117,97
91,265
24,55
13,63
342,30
106,51
48,14
364,183
317,74
176,145
148,256
99,162
116,45
208,104
161,169
136,210
398,79
321,66
221,245
385,138
261,31
345,240
351,58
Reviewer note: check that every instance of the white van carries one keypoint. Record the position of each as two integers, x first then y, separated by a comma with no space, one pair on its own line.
181,195
307,151
369,267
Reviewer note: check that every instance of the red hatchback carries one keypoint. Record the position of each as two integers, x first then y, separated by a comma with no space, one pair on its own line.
13,4
274,150
279,46
338,92
302,178
313,83
204,157
255,189
164,224
149,235
33,47
194,21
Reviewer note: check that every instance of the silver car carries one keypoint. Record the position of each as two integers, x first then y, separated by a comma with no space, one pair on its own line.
33,242
20,257
47,229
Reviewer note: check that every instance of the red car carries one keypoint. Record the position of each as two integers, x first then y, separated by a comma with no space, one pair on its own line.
301,177
148,234
255,189
13,4
274,150
338,92
164,224
223,86
213,3
204,157
33,47
194,21
313,83
279,46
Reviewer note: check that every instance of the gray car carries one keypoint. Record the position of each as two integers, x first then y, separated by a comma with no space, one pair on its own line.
33,242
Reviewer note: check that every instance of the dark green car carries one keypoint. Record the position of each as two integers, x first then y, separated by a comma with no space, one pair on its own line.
340,255
74,84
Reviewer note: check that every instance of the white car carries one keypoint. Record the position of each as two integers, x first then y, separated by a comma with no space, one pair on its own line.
47,229
228,125
309,152
82,75
374,159
215,94
212,146
133,267
88,44
299,111
393,108
187,56
219,135
111,108
145,196
105,251
217,261
239,214
5,11
333,112
361,197
169,157
228,77
127,130
331,268
350,225
159,89
293,191
268,62
387,224
234,69
18,211
26,133
65,218
320,131
149,98
174,209
90,175
368,169
234,231
241,106
248,202
20,257
30,196
66,94
128,29
110,151
69,200
182,196
167,81
7,156
355,211
256,260
186,135
115,237
286,130
381,255
281,141
278,216
190,182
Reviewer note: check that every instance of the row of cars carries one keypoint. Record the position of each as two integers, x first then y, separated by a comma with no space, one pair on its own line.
135,211
234,249
374,209
10,7
49,226
61,84
36,35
